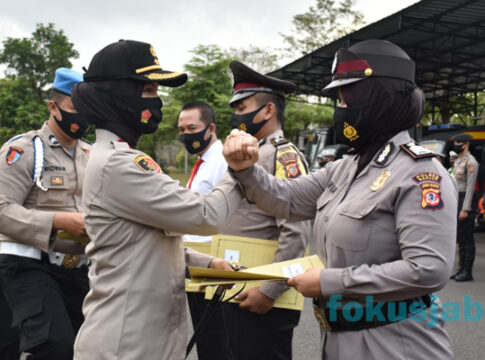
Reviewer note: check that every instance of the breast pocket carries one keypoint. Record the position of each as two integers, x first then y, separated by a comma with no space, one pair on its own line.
57,191
352,227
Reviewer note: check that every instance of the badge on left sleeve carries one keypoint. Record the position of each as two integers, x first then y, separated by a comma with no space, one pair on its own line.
147,164
430,190
13,155
288,164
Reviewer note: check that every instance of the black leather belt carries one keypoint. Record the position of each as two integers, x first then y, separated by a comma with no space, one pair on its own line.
336,320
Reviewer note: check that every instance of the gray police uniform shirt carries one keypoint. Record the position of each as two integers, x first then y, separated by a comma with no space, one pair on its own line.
134,215
251,221
390,233
26,211
466,172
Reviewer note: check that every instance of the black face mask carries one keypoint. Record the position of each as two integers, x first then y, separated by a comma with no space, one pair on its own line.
245,123
458,148
72,124
195,143
353,128
146,113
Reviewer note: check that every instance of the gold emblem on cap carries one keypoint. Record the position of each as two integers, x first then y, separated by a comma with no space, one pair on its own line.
154,54
380,181
196,144
368,72
242,127
350,132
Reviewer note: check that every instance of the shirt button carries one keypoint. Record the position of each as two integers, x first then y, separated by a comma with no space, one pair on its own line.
363,212
345,210
325,218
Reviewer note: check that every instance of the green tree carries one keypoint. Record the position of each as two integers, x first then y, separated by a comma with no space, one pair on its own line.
19,109
300,115
326,21
35,59
260,59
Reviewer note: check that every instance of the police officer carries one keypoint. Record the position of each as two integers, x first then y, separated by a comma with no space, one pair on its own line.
44,277
135,214
385,217
465,169
256,329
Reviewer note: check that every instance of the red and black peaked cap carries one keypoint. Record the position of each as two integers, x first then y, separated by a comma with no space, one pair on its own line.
370,58
129,59
247,82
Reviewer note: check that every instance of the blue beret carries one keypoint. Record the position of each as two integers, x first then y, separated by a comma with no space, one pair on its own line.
66,79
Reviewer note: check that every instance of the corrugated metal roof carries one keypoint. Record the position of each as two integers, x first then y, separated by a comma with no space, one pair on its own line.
446,39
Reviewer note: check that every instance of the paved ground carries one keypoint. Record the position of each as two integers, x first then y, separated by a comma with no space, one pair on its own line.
468,337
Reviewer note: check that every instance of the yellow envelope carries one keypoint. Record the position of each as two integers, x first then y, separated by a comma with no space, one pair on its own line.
203,247
68,236
257,254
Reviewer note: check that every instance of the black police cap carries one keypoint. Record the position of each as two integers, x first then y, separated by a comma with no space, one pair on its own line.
462,138
129,59
247,82
370,58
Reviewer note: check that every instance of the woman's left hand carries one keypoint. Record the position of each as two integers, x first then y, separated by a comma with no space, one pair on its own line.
307,283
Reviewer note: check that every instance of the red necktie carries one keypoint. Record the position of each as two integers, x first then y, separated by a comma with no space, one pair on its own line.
194,171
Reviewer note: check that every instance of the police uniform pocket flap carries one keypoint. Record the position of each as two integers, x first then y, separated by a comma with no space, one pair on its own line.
26,309
358,212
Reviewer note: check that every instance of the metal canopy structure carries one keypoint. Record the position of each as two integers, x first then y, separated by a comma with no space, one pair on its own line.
446,39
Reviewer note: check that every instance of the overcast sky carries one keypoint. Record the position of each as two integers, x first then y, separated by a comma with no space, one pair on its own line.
172,27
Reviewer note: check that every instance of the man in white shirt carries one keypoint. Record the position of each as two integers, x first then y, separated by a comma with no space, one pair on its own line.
197,128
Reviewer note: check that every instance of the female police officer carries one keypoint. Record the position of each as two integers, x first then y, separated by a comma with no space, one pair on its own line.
384,217
136,306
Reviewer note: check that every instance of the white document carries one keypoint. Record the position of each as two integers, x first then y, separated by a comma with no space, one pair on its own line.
231,255
292,270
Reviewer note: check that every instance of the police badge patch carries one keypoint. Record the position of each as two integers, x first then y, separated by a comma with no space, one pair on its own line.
288,164
430,189
13,155
147,164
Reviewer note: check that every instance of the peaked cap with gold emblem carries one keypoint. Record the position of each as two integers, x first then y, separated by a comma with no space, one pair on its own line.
247,82
129,59
369,58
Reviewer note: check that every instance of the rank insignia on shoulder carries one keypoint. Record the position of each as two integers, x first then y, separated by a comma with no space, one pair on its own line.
416,151
384,154
13,155
430,184
277,141
289,164
147,164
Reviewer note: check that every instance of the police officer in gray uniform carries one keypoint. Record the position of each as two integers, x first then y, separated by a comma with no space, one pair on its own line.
44,276
466,171
135,214
256,329
385,217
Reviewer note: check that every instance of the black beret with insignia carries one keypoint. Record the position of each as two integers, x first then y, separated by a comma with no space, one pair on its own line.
247,82
462,138
129,59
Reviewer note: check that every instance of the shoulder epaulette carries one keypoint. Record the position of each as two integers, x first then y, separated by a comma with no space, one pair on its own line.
16,137
277,141
87,142
416,151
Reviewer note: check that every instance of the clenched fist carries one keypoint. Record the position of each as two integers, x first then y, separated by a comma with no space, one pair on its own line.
240,150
